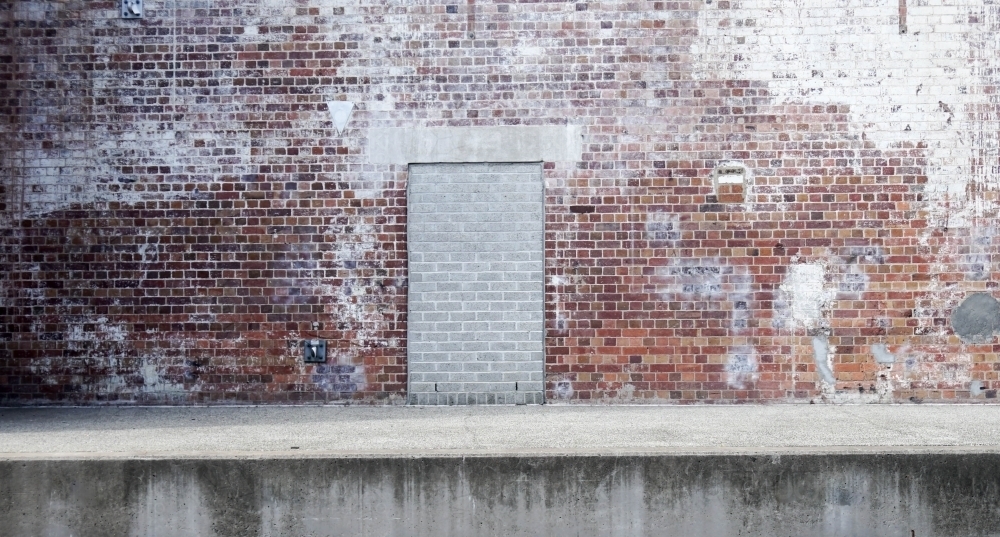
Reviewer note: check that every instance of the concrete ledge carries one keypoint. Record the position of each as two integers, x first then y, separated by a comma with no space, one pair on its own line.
714,495
475,144
553,429
549,470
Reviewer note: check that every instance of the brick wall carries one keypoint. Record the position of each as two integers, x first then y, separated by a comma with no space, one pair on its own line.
476,306
179,209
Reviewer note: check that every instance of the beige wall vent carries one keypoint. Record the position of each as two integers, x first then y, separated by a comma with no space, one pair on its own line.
728,180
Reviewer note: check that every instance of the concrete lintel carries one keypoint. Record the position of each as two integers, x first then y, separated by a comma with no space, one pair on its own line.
552,143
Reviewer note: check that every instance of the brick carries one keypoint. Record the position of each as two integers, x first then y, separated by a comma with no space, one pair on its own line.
488,338
178,210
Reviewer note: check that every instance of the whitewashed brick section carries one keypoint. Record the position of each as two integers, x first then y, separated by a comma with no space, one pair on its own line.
901,87
476,291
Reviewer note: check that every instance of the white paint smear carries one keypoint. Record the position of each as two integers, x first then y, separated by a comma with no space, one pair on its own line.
806,294
931,85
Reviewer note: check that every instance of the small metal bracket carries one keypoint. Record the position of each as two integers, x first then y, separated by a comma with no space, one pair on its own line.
314,351
131,9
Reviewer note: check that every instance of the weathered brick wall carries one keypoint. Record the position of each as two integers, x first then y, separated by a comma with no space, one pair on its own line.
179,209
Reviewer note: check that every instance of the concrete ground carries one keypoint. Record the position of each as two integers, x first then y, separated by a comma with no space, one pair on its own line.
227,432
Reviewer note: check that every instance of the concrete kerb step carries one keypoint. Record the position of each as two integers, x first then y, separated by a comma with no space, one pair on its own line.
756,492
775,470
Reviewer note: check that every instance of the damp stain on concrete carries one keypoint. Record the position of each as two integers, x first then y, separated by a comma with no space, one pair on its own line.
808,494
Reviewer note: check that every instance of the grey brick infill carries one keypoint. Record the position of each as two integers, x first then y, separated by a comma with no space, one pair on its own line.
476,297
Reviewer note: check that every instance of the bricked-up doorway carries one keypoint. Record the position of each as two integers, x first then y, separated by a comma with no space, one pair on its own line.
476,294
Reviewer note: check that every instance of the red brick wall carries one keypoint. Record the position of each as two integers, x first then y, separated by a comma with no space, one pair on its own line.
179,210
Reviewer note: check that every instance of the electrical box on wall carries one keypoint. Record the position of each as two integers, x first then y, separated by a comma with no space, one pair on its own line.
314,351
131,9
